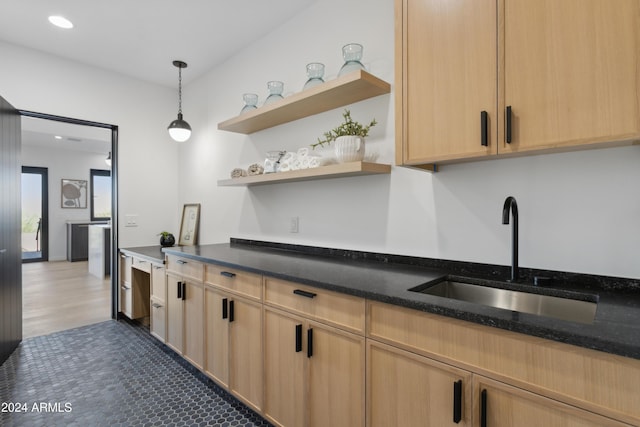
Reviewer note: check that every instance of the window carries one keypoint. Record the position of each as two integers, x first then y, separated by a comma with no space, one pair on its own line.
100,195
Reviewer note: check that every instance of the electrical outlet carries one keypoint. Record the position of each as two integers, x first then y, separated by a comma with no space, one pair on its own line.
131,220
293,224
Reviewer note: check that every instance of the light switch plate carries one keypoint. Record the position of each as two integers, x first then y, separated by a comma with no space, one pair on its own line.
131,220
293,225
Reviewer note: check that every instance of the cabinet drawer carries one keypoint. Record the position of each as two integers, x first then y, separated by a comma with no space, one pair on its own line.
341,310
125,268
237,281
126,299
185,267
141,264
158,282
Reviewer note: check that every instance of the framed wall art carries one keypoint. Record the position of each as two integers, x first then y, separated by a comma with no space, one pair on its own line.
189,225
73,194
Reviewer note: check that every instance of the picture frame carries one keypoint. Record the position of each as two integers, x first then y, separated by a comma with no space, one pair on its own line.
73,194
189,225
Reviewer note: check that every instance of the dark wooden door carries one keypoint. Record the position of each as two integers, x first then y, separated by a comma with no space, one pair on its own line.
10,247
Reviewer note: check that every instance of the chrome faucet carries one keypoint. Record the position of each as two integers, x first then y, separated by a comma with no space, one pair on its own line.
511,205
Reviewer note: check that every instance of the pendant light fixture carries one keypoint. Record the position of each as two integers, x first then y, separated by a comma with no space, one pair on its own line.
179,129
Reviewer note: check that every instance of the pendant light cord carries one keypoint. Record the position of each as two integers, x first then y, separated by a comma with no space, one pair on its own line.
179,90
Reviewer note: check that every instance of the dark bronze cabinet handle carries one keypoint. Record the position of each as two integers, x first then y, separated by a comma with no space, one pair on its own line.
483,408
484,128
225,313
179,290
298,338
181,262
309,342
227,274
304,293
508,115
184,291
232,312
457,401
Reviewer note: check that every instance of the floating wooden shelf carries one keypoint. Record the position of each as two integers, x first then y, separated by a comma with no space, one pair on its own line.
345,90
323,172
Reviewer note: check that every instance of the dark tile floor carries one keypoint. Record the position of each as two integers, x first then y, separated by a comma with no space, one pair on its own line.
110,374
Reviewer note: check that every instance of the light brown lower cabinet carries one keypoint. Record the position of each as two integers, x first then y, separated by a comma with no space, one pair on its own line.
233,337
185,318
405,389
517,380
314,374
158,325
158,321
175,314
501,405
304,356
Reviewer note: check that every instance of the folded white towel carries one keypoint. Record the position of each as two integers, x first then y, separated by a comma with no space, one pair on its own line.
255,169
237,173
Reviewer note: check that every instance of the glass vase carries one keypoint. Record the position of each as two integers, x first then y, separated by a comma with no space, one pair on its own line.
275,92
315,74
250,102
352,54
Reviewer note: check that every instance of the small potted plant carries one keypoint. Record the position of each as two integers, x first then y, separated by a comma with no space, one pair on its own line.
166,239
349,138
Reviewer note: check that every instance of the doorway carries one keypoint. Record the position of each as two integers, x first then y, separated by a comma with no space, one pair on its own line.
35,214
63,214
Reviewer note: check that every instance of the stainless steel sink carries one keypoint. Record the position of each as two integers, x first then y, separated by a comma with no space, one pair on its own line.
576,310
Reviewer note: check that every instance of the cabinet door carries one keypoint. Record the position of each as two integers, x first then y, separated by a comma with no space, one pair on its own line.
405,389
194,323
217,335
175,313
445,79
158,326
502,405
336,377
245,351
570,71
284,364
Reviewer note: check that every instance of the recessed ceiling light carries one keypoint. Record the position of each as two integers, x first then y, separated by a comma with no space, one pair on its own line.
57,137
60,21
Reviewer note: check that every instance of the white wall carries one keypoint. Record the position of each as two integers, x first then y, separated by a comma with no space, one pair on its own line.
578,211
62,164
35,81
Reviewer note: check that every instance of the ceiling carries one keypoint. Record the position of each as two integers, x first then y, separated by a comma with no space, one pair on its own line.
42,133
141,38
138,38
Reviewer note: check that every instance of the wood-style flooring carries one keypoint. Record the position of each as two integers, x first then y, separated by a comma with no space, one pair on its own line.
62,295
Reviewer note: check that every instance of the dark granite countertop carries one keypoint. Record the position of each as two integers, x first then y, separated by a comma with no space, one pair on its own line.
616,328
149,253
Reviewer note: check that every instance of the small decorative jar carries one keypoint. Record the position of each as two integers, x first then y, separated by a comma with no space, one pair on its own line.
349,148
315,74
250,102
275,92
352,54
167,239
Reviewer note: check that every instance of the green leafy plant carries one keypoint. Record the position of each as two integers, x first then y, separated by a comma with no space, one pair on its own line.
349,127
164,234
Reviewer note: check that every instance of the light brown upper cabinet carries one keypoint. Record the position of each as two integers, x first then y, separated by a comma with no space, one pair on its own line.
516,75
